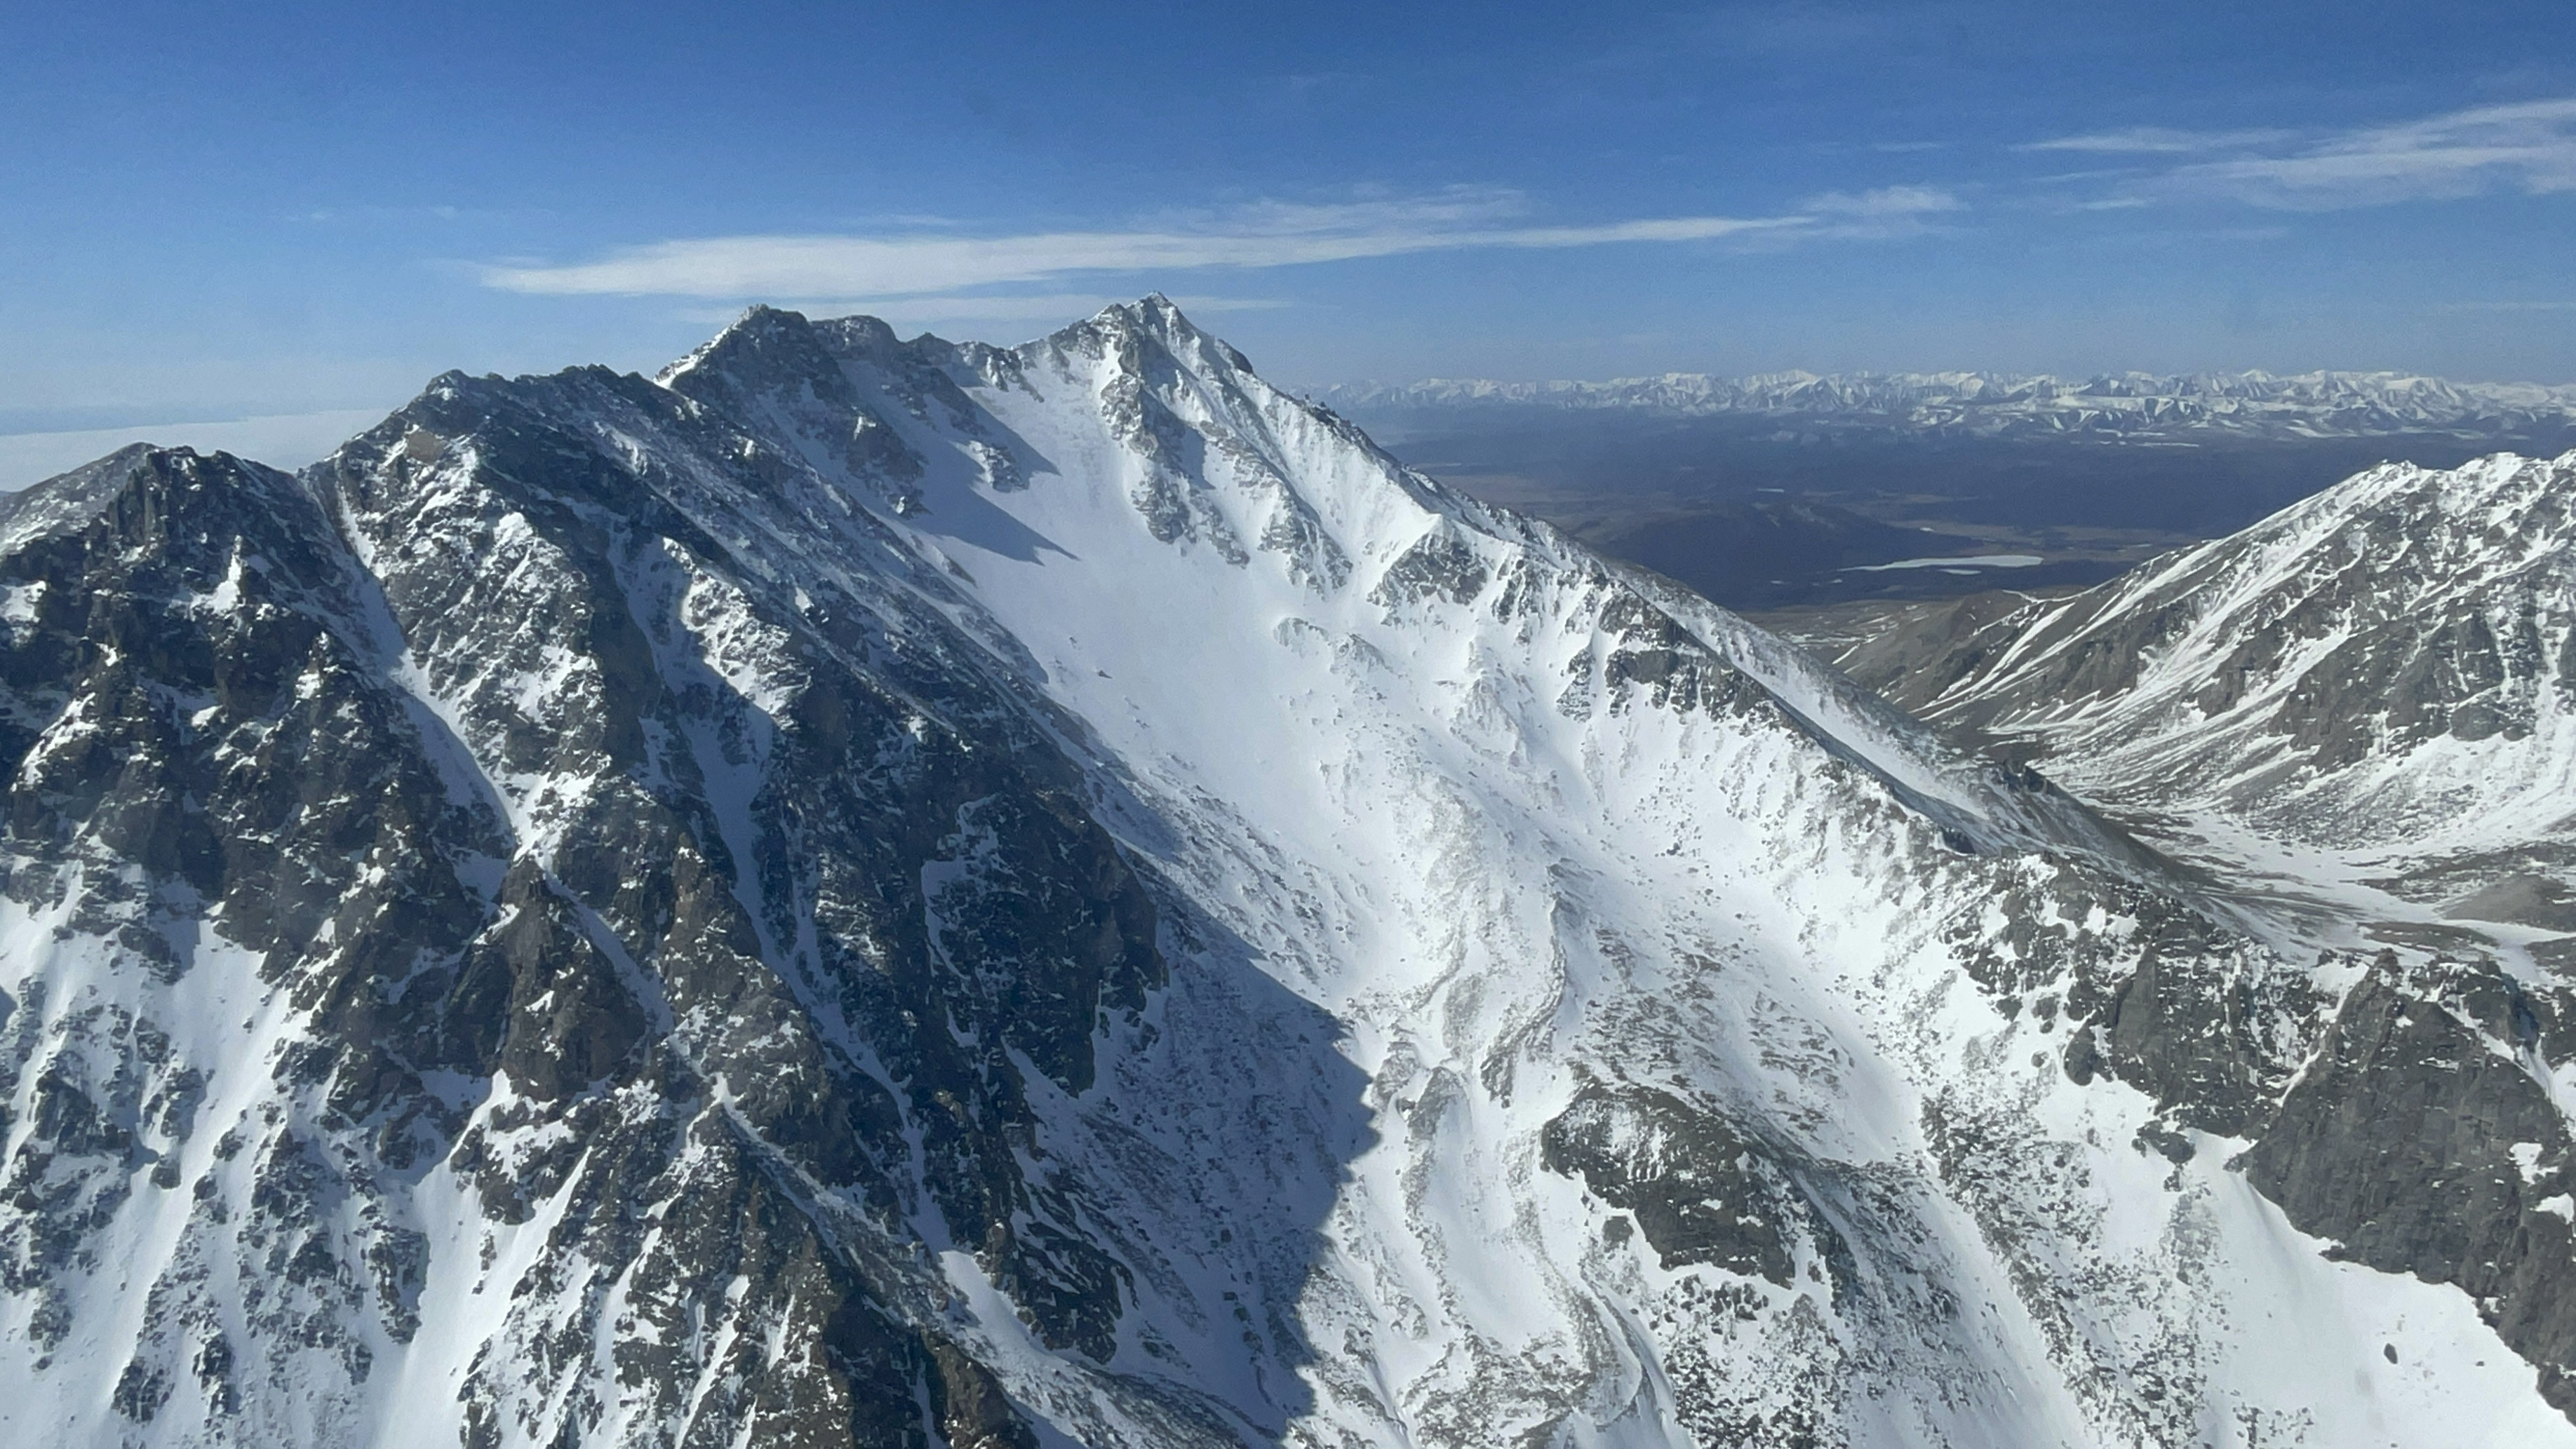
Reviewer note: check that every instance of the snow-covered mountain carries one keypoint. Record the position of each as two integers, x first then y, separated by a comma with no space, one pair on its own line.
1984,404
2382,676
904,893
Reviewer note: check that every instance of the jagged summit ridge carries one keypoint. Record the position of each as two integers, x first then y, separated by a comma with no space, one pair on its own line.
1307,487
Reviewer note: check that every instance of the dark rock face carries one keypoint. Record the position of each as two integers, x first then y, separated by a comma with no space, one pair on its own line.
2409,1123
1693,1185
700,940
2211,1036
2421,1140
2202,1019
191,737
1034,928
1440,565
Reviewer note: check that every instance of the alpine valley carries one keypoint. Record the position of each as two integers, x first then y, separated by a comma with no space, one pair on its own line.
898,893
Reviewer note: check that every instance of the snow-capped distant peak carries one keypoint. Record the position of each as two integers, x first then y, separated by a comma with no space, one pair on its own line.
2253,404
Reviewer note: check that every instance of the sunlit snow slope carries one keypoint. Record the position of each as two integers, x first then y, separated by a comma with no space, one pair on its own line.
901,893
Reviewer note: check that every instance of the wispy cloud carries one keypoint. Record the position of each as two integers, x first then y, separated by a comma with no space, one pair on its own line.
2159,141
2535,306
1048,308
2529,146
1266,234
1881,214
1886,201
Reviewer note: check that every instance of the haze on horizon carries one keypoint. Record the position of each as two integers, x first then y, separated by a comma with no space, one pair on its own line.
305,209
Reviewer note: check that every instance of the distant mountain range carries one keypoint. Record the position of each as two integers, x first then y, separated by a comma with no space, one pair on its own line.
1989,404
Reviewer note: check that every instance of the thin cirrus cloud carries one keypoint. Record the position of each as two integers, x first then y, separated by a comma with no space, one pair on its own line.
2157,141
2528,146
1887,203
1263,235
1050,308
2529,306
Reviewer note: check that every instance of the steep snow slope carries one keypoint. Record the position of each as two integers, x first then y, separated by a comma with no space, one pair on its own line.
868,890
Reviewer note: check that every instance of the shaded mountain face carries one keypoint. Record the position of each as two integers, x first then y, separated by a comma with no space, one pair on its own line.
898,893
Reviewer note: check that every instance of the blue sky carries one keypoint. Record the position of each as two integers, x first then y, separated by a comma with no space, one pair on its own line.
214,209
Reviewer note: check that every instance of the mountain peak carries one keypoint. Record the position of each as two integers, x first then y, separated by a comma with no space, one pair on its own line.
1155,313
1152,318
763,338
71,499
